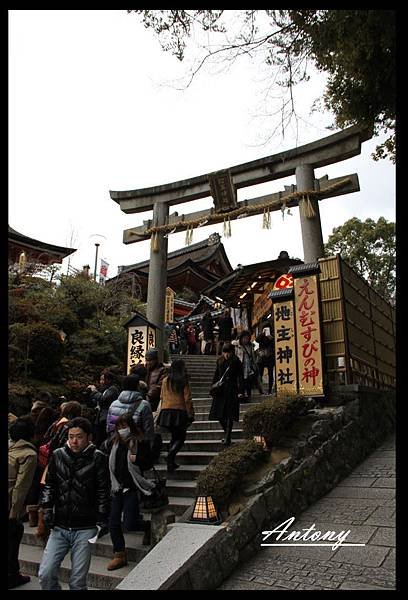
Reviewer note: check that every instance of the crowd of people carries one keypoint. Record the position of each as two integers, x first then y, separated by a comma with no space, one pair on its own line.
202,336
77,470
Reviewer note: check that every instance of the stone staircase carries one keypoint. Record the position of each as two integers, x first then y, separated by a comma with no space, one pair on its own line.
31,551
203,442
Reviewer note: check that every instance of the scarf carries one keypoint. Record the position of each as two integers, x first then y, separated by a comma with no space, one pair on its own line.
142,484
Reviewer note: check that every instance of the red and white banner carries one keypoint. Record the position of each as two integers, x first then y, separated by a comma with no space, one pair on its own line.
103,272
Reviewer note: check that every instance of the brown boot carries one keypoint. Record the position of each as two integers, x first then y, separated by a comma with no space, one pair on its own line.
32,510
119,560
42,530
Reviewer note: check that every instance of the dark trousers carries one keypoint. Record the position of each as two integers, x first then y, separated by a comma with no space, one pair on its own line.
248,386
226,424
270,367
178,437
132,519
15,535
208,347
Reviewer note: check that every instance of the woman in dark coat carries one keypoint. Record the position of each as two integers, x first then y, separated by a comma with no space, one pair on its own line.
207,324
225,405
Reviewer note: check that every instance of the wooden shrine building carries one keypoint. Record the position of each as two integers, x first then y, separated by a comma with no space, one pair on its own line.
195,267
23,249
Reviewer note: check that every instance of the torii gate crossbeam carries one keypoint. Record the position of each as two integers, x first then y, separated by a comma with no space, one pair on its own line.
222,186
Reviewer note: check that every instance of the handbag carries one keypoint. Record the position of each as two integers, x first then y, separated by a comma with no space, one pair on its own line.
218,387
44,452
158,497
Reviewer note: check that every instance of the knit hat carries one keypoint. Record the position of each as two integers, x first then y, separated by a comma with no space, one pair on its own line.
131,383
152,354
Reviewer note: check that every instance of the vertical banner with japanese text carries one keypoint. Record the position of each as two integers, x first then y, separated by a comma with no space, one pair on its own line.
285,346
137,345
308,334
151,338
169,307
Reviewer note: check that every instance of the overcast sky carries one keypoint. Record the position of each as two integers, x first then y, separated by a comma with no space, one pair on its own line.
89,112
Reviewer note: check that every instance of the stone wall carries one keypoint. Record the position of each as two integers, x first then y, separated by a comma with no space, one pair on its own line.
339,439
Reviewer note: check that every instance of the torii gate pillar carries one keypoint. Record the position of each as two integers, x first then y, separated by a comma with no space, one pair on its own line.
156,290
312,237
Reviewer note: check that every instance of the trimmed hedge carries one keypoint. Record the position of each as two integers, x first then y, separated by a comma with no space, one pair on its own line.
224,473
272,418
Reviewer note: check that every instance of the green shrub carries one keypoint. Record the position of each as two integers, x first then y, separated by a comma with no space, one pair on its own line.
224,473
272,418
46,351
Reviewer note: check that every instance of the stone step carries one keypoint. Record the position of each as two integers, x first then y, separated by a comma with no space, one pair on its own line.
195,458
34,584
206,434
179,487
201,412
200,446
179,504
184,472
204,424
98,577
103,547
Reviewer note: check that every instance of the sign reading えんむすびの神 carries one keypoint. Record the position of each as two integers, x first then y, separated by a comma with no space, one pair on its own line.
308,335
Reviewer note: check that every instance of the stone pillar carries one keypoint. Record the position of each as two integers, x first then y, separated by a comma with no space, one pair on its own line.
157,282
312,236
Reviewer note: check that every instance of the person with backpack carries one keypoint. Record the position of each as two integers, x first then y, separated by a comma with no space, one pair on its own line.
55,437
101,400
175,411
128,485
131,400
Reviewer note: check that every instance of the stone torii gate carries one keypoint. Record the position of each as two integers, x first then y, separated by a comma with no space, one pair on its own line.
222,186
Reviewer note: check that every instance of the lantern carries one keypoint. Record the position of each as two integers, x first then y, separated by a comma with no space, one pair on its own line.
259,439
205,511
141,338
22,261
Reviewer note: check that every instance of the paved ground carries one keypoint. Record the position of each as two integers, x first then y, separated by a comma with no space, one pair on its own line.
364,502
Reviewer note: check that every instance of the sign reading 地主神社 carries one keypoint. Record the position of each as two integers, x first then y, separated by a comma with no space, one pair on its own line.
285,342
308,333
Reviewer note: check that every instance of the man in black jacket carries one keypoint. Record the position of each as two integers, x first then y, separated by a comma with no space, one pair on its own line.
102,401
75,499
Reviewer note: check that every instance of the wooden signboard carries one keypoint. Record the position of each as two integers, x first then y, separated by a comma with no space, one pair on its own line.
141,337
285,347
137,345
261,305
308,334
169,308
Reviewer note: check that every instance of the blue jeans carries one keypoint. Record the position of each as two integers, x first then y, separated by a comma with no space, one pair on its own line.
132,520
60,542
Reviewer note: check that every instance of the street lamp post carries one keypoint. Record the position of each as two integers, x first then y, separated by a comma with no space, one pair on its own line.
96,258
